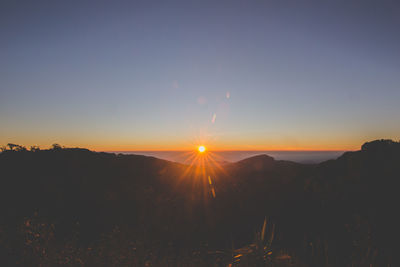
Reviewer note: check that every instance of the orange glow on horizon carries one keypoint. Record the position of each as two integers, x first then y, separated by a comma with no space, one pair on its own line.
211,143
224,148
216,144
184,148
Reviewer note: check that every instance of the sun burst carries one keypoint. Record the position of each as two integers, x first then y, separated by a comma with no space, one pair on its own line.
203,165
201,149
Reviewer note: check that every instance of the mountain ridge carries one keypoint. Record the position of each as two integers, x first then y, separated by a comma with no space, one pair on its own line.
158,201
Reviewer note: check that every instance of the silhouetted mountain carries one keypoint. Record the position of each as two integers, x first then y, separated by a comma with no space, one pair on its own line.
337,213
257,162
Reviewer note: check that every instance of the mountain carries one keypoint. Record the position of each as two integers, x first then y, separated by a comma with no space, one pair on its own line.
77,204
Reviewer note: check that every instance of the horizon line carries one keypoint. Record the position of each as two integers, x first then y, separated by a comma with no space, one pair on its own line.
233,150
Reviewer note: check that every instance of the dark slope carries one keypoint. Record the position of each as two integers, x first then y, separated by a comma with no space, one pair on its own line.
341,211
98,190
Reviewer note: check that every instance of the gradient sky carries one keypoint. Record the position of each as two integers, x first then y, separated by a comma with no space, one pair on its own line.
139,75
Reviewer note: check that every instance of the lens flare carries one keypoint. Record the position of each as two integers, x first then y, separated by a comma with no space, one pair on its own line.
205,169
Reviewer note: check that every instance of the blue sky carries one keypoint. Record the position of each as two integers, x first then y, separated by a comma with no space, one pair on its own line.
151,75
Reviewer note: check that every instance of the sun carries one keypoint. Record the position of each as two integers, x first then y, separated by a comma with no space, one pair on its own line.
201,149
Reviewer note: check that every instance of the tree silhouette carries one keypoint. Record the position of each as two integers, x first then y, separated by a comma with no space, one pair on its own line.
11,146
56,147
35,148
15,147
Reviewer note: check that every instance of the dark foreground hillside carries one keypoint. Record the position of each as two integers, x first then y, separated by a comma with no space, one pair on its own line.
74,207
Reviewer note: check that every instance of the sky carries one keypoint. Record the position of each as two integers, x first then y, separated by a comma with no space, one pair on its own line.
169,75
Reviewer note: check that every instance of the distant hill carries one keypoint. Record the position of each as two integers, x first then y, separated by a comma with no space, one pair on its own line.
337,213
